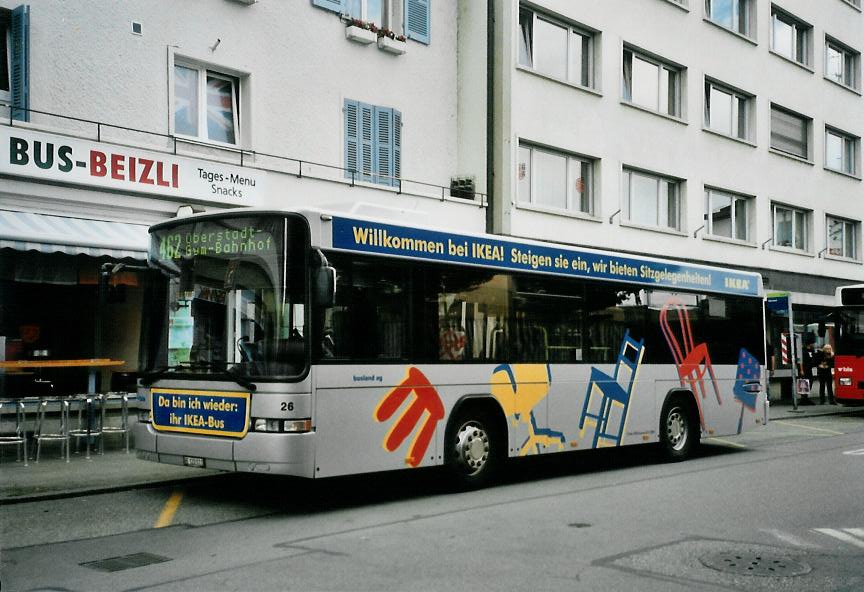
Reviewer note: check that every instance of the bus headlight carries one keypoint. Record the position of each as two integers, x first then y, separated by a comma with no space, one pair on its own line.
845,382
298,425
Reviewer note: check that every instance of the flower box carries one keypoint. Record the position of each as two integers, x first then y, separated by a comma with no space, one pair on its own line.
360,35
394,46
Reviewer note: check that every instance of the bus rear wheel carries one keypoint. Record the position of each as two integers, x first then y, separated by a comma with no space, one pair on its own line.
679,429
474,449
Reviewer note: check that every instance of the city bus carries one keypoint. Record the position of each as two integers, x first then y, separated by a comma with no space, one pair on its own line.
317,344
848,320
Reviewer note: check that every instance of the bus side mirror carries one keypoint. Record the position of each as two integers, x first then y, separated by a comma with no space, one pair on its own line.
820,331
324,287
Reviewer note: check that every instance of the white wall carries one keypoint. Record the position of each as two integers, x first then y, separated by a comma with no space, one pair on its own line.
598,125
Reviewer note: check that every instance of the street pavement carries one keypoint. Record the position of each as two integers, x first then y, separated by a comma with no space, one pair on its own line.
53,477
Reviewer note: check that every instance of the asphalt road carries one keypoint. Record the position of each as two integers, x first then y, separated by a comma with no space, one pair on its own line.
781,509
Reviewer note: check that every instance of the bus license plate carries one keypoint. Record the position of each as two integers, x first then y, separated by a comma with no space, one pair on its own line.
193,461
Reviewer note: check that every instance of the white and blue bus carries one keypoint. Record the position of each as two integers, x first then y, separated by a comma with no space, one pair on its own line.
316,344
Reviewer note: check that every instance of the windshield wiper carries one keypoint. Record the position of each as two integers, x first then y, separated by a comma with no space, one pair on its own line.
150,377
227,371
154,375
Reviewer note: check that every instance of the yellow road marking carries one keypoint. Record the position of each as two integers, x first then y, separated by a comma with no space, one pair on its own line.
727,442
805,427
171,506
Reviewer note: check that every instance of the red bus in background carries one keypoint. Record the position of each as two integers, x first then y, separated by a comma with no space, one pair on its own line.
849,345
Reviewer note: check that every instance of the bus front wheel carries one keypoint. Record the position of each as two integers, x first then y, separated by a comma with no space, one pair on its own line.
679,429
474,449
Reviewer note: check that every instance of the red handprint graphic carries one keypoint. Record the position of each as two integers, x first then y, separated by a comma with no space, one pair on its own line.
426,400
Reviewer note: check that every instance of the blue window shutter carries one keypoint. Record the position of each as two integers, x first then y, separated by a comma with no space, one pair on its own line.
332,5
384,145
366,155
352,136
20,61
397,146
417,20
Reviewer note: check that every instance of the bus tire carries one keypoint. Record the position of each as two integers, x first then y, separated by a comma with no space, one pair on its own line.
679,428
474,447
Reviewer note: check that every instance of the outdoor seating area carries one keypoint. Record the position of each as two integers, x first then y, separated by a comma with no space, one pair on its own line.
64,426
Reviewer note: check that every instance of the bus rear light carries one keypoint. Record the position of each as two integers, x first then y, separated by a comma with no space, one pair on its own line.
298,425
267,425
846,382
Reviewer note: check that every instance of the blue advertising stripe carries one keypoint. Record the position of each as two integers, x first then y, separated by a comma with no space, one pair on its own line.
213,413
388,239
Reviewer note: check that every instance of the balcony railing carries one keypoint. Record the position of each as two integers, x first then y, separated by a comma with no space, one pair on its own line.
225,154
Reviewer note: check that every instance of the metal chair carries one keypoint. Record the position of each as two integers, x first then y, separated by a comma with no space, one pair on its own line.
61,434
123,428
19,439
90,415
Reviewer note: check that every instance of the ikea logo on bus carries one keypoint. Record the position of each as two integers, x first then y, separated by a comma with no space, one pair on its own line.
736,283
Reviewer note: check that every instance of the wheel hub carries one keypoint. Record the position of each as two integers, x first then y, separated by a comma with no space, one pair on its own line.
676,428
472,447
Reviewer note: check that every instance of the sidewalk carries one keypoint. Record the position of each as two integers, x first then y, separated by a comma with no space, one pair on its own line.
54,478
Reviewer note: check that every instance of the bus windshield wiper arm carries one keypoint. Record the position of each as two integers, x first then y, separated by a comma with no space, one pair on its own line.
154,375
228,372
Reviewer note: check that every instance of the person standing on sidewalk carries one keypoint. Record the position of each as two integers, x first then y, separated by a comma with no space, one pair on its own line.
824,361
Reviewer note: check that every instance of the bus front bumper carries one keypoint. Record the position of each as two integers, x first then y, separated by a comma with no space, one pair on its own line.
279,454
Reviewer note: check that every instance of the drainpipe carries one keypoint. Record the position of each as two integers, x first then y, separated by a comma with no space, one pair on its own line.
490,116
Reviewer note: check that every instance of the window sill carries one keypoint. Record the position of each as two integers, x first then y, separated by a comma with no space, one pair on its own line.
741,36
729,241
556,212
841,259
672,231
587,89
205,143
728,137
791,251
793,62
791,156
852,5
843,173
679,5
653,112
843,86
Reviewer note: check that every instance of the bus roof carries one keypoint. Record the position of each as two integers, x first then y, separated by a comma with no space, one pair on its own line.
360,234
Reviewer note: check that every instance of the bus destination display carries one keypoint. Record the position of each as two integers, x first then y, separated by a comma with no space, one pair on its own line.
213,240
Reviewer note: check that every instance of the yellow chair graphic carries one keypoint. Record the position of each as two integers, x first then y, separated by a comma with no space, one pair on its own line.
519,388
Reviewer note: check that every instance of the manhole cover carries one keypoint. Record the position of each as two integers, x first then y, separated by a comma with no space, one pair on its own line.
755,564
124,562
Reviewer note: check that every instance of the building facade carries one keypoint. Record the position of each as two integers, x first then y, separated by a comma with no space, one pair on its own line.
718,131
116,114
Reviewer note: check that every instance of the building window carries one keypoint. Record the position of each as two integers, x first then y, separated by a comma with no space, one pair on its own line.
841,151
728,111
555,48
373,143
15,61
790,37
651,83
205,104
389,14
728,214
731,14
841,63
651,200
791,227
790,132
554,180
842,237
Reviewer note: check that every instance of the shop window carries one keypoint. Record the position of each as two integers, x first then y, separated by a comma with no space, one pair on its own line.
206,104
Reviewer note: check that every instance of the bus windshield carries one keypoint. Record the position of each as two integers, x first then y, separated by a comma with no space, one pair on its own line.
850,335
236,297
